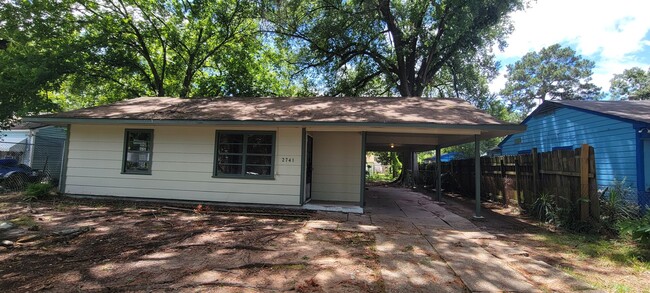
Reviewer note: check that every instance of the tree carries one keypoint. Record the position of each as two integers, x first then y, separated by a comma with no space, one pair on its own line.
403,48
170,45
553,73
80,53
495,107
35,56
632,84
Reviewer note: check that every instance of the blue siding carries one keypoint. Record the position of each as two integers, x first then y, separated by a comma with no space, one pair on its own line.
614,141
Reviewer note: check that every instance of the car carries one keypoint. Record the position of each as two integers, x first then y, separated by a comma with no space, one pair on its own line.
15,176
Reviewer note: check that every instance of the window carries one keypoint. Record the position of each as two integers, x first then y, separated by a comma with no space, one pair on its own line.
138,145
244,154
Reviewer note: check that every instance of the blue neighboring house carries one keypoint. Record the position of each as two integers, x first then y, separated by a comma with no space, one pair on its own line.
619,131
443,158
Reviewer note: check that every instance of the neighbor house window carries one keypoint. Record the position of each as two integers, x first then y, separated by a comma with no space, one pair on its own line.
138,146
244,154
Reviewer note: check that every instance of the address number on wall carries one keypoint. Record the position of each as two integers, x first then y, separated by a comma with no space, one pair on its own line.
288,160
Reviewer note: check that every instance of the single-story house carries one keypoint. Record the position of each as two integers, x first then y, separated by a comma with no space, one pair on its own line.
283,151
37,145
617,130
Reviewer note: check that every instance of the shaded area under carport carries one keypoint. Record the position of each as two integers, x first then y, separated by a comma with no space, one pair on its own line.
436,140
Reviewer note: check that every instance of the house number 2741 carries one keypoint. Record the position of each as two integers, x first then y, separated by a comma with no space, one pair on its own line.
287,160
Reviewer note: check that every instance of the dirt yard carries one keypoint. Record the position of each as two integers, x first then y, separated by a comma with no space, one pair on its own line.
68,245
80,245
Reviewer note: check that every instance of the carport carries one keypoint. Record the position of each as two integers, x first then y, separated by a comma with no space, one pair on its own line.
400,124
436,139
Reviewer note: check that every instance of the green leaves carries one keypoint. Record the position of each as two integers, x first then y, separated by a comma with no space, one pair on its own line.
79,53
553,73
632,84
408,47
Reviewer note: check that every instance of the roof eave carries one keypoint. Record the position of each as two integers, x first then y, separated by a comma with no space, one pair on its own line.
63,121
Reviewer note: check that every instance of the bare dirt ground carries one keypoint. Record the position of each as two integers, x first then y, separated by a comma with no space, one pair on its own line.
525,233
69,245
72,245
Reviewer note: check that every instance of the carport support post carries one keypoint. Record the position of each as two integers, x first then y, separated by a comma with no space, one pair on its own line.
438,175
477,177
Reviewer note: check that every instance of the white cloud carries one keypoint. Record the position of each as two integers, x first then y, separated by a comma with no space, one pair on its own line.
610,33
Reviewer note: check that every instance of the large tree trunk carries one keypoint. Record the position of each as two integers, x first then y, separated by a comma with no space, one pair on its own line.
405,178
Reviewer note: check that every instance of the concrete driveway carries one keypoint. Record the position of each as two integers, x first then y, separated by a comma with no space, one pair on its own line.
422,247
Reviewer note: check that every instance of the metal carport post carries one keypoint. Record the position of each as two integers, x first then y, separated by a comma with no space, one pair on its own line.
477,177
438,175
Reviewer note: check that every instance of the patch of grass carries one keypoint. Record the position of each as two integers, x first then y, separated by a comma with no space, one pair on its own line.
621,288
24,221
38,191
379,177
617,251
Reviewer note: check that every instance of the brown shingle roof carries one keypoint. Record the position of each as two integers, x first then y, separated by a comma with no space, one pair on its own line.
319,109
631,110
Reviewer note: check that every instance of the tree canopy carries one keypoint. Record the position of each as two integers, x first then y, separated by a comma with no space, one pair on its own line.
632,84
411,48
76,53
553,73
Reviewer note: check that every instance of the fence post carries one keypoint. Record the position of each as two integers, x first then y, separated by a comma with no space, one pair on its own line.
584,182
504,188
518,181
593,187
535,173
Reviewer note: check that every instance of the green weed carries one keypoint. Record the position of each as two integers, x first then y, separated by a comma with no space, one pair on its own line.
38,191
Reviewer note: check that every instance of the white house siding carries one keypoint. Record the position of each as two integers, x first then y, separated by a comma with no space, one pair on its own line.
337,166
614,141
182,166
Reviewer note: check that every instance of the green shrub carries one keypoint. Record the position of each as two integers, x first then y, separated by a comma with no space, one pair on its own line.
613,204
560,212
545,208
38,191
638,229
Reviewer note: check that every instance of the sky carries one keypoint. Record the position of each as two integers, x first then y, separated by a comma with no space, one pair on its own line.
613,34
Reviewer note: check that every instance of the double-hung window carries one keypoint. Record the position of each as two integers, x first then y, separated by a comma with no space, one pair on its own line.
244,154
138,147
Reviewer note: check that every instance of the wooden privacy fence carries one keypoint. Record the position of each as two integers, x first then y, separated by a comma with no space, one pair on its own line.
569,175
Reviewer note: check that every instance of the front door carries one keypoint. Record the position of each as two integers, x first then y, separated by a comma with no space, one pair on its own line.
309,168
